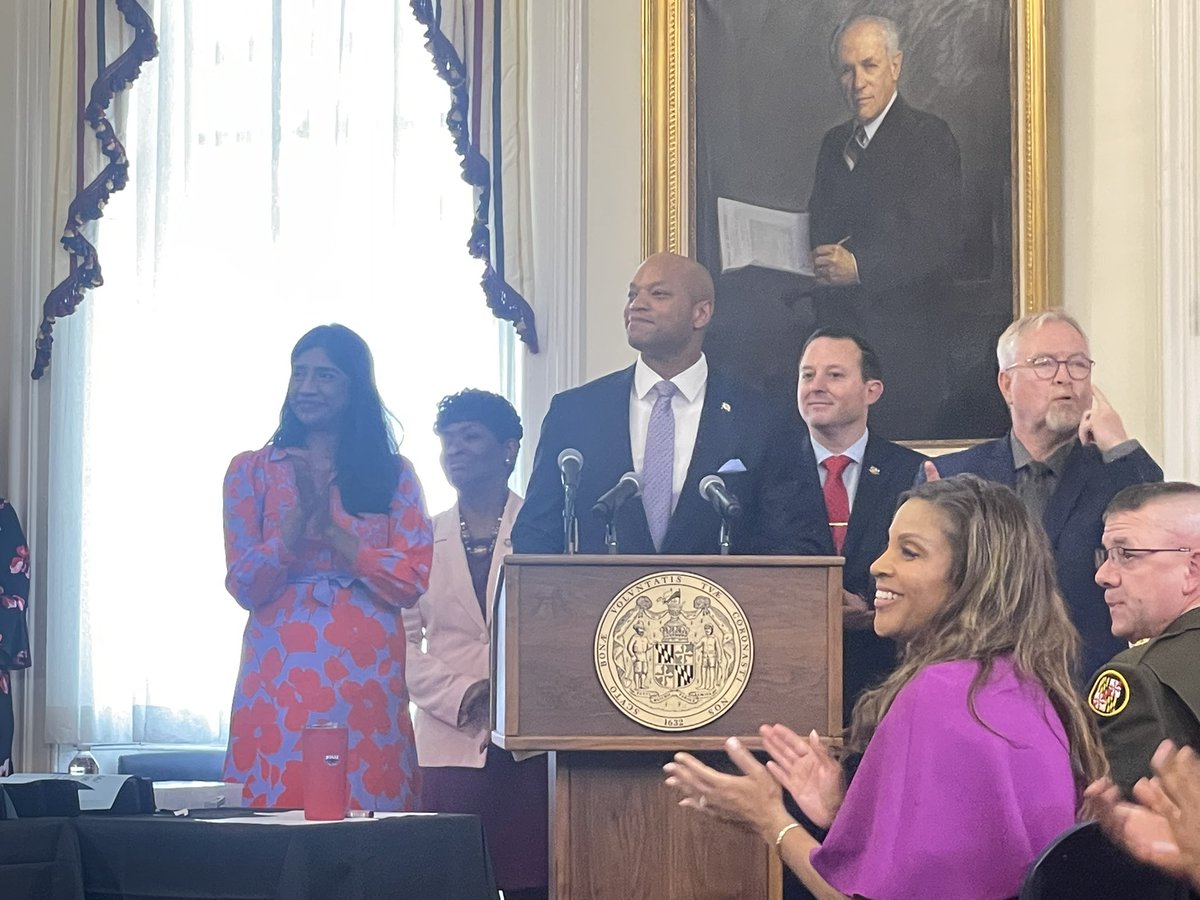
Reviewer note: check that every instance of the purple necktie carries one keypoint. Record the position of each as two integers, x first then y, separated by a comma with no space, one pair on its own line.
658,466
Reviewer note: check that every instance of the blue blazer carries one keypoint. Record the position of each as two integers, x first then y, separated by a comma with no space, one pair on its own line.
1074,522
782,514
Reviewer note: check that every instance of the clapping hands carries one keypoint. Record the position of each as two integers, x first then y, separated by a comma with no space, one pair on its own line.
1161,826
806,769
311,512
754,799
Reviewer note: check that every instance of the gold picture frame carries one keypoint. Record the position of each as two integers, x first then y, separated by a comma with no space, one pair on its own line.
669,200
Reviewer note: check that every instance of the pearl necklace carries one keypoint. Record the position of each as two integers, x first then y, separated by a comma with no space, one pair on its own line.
478,547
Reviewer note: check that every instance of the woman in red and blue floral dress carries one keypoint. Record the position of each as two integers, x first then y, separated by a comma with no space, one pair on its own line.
14,633
326,539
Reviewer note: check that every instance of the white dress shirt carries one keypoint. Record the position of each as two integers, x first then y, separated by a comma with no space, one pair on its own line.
853,469
686,406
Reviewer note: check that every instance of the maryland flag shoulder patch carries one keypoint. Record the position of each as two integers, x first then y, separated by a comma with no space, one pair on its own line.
1110,694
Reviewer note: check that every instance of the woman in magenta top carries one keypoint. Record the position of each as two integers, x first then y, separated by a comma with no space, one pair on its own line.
326,539
974,752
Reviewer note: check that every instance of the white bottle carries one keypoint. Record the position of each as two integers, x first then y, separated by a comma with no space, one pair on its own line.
83,763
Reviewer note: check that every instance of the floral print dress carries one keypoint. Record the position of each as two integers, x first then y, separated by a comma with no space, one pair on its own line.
14,633
324,640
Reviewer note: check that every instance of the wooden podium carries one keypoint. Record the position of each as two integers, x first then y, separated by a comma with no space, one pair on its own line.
616,830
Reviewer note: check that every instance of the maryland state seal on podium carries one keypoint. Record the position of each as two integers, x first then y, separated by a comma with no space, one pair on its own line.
673,651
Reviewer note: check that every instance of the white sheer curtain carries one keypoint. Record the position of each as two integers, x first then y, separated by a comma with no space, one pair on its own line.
290,166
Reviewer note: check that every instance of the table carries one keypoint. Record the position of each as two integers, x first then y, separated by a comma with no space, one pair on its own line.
101,857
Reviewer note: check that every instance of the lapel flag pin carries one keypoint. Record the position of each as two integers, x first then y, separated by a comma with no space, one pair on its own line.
874,470
725,407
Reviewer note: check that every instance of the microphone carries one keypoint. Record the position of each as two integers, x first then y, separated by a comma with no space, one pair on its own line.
570,462
627,488
724,501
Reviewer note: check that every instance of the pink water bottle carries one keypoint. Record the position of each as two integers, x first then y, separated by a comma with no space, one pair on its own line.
324,747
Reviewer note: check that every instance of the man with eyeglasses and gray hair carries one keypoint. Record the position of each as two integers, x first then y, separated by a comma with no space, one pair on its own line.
1067,455
1149,567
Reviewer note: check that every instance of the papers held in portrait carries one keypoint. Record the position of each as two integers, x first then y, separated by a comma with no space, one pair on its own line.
758,236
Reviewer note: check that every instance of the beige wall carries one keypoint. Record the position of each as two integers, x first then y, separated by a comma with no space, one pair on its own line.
1102,72
613,178
1108,146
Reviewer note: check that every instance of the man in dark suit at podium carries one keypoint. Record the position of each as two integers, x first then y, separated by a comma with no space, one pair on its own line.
672,421
861,474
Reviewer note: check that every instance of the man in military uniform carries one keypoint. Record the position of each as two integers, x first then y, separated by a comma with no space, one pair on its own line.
1149,568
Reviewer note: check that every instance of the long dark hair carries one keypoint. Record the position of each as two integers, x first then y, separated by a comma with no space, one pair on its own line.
366,459
1004,602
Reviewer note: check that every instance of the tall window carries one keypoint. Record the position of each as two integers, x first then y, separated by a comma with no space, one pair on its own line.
290,167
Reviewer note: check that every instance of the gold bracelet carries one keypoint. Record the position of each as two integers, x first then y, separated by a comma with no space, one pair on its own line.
782,831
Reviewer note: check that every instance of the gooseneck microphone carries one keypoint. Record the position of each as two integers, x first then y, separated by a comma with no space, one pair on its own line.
627,488
724,501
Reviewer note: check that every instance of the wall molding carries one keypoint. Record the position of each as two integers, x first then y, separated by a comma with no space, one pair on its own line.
1177,43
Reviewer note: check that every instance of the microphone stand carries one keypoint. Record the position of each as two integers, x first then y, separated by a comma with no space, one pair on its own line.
610,533
723,537
570,525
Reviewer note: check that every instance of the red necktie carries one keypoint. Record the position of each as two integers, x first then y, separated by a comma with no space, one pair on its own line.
837,501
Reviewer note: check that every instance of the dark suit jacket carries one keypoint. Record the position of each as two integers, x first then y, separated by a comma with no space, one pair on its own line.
1074,524
782,514
900,213
901,205
887,472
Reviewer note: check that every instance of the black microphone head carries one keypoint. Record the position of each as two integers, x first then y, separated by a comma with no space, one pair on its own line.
627,487
724,501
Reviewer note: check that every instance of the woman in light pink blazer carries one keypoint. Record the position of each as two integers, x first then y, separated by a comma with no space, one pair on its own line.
449,638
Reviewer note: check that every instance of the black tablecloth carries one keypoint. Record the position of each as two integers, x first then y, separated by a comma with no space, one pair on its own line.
142,857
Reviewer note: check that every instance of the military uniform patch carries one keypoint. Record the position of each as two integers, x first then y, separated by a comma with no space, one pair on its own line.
1110,694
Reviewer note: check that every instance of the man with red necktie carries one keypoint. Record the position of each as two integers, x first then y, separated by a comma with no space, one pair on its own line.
861,476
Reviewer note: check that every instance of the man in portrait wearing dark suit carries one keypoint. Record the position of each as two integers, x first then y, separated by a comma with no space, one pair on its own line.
672,421
886,226
861,474
1066,456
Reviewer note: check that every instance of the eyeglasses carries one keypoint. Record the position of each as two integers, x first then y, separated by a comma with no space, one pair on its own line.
1121,556
1078,366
